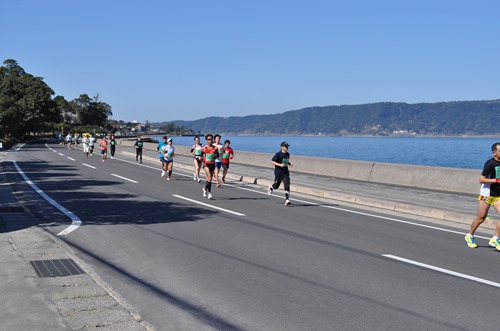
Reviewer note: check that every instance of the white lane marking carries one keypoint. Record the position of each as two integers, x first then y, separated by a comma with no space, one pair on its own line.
72,159
125,178
209,205
368,214
19,147
75,220
61,154
446,271
88,165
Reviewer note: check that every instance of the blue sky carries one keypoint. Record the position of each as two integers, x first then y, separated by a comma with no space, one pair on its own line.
191,59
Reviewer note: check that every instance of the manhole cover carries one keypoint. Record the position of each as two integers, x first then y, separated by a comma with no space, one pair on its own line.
56,268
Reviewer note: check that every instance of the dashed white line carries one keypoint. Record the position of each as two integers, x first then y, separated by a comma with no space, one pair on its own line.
446,271
72,159
125,178
61,154
75,220
88,165
209,205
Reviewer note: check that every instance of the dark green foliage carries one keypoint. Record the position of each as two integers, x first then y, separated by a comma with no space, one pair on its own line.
26,103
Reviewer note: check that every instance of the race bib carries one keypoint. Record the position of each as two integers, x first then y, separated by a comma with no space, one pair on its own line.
209,157
286,162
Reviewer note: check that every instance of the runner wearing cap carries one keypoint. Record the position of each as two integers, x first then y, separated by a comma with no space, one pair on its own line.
159,149
196,151
281,161
168,152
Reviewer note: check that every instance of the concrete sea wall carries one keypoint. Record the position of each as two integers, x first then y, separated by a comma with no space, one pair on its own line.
433,178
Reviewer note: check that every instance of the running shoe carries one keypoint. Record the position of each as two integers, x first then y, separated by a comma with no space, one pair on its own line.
495,243
163,173
204,192
218,185
270,190
199,180
287,202
168,178
224,180
194,177
209,196
470,241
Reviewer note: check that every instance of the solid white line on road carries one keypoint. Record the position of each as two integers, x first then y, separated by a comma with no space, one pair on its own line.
61,154
75,220
368,214
72,159
446,271
209,205
125,178
88,165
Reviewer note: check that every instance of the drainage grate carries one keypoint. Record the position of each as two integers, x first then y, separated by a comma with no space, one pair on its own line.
11,209
56,268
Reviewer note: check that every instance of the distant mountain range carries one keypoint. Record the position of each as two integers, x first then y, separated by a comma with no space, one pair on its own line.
384,118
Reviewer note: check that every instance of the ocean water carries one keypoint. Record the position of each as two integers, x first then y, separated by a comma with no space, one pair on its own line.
466,153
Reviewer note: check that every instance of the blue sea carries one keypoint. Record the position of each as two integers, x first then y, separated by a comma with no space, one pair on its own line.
466,153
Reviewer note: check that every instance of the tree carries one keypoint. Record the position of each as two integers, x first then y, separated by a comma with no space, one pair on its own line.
26,103
91,111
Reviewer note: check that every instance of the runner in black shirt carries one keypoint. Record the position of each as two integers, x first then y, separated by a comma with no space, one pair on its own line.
489,196
281,161
138,149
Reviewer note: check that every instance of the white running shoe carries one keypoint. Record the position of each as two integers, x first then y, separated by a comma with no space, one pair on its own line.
209,196
287,202
270,190
204,193
199,180
194,177
163,173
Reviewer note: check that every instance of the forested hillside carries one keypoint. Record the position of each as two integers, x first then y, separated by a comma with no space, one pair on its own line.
386,118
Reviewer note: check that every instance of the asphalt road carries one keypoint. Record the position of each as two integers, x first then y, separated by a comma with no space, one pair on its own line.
244,261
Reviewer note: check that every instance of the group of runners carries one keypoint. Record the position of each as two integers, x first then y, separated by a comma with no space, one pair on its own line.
213,157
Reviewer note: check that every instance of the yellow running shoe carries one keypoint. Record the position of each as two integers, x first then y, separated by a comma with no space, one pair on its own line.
495,243
470,241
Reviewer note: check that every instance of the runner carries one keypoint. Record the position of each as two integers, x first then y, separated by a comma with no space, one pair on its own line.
227,155
489,195
138,149
112,144
85,143
281,161
196,151
168,157
210,153
159,148
91,144
69,139
218,160
104,148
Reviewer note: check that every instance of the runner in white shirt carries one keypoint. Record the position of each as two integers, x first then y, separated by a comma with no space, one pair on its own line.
168,152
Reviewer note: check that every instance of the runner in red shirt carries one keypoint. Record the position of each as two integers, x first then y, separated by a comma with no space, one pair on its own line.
210,153
227,155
